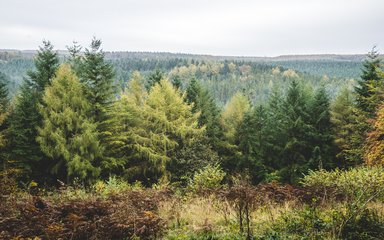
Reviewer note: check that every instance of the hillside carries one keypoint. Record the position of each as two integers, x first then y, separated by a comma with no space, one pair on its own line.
250,74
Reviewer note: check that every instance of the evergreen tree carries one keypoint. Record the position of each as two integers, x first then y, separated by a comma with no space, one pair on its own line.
322,139
254,138
346,121
97,76
128,143
176,82
231,120
4,102
233,115
4,94
369,90
25,117
46,64
297,149
172,119
67,135
154,78
209,116
148,130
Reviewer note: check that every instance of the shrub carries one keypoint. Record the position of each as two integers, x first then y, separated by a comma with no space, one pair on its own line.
210,177
362,183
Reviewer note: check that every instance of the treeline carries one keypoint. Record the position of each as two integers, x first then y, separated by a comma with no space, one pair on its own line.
223,76
70,122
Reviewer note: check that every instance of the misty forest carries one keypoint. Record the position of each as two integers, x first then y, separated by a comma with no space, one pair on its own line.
145,145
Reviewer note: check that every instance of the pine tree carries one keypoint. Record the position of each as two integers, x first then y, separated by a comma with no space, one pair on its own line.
233,115
297,149
154,78
172,119
4,94
254,138
4,102
148,129
209,116
369,90
97,76
25,117
67,135
46,64
128,143
322,139
346,121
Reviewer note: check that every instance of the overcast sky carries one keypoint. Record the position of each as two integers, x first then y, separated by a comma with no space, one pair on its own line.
218,27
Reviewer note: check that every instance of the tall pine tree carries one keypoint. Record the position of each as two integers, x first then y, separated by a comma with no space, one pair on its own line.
67,135
25,117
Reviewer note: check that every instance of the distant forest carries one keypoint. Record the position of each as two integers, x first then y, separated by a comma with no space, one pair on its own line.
224,76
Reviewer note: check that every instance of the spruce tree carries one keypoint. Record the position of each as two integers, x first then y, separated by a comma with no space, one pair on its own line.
322,139
67,135
209,116
154,78
97,76
4,102
347,122
369,90
25,117
254,139
297,148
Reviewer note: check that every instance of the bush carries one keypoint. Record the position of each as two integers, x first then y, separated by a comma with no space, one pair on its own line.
362,182
369,225
210,177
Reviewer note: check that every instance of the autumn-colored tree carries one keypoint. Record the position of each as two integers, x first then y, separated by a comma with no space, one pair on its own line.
374,145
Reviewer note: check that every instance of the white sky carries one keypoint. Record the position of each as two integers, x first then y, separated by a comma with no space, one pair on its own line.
218,27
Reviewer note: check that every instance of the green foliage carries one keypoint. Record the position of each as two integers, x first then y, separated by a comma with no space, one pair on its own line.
190,159
154,78
209,177
209,117
369,88
25,118
357,183
254,143
233,115
46,63
68,136
368,225
171,119
347,126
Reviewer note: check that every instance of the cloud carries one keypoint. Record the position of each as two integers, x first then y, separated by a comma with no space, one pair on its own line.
225,27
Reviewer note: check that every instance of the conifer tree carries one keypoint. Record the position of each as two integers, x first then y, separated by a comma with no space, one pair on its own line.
4,102
233,115
154,78
67,135
254,138
369,91
148,129
25,117
172,119
97,76
46,64
346,120
209,116
322,139
297,148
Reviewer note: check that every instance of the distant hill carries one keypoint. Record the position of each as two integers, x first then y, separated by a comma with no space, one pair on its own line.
255,74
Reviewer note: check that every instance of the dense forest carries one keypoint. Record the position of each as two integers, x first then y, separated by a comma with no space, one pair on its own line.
101,145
